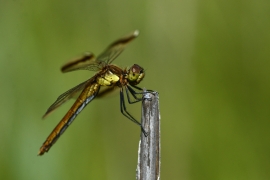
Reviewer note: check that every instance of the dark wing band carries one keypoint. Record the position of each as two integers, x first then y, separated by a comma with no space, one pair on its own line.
116,48
86,62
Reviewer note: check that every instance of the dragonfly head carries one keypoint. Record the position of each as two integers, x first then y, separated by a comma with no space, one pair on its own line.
135,74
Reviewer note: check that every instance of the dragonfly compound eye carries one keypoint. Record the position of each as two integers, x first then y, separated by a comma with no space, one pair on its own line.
136,74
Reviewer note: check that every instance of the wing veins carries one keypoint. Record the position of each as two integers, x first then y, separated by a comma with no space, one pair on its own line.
116,48
65,97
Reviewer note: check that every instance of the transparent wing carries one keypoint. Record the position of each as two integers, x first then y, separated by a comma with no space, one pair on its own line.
66,96
86,62
89,62
88,94
116,48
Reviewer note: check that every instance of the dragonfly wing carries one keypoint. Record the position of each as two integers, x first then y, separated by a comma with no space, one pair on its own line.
116,48
88,94
89,62
86,62
66,96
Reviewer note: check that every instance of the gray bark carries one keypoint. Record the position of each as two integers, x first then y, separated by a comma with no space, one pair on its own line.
148,167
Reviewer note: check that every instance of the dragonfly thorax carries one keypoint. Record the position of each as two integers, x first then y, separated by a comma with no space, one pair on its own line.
135,74
108,80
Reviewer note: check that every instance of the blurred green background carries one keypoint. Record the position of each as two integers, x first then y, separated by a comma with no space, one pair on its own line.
209,60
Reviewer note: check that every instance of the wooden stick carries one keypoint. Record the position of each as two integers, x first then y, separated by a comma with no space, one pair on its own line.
148,167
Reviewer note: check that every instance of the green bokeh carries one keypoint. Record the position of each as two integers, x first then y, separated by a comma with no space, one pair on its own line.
209,60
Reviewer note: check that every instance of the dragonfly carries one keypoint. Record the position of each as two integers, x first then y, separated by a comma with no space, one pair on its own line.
109,76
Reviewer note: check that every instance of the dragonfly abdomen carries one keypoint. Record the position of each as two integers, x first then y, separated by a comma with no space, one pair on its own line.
81,107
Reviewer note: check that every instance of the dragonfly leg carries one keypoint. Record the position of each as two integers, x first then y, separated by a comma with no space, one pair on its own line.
141,92
133,93
147,90
127,114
